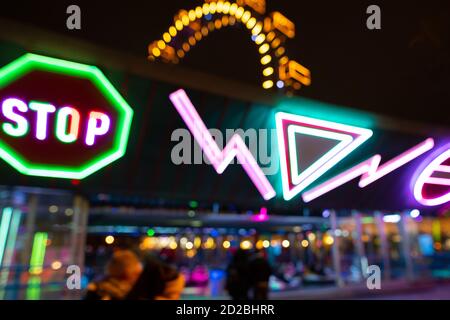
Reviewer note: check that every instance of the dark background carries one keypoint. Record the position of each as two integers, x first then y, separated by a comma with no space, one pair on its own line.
402,70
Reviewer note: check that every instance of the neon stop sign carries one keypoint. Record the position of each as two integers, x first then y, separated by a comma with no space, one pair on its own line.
60,119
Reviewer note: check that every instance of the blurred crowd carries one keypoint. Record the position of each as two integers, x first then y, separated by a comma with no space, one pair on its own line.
127,277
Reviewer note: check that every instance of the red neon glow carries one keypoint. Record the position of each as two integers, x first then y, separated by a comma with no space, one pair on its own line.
434,191
369,170
221,159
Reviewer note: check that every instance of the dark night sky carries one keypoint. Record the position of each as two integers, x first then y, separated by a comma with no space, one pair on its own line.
402,70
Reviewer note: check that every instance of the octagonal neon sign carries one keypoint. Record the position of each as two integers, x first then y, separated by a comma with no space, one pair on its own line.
60,119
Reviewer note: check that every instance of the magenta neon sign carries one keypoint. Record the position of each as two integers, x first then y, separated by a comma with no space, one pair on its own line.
431,188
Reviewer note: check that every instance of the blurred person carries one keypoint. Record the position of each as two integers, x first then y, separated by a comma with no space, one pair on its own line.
238,280
122,271
158,281
259,276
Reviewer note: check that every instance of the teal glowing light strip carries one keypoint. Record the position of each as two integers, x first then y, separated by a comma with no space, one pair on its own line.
4,229
38,252
10,245
27,62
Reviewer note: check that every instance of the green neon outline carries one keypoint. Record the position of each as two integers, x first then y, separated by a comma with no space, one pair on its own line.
28,62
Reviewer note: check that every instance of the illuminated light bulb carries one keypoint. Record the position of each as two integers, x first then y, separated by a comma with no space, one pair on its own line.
246,16
93,130
266,59
218,24
264,48
260,38
225,21
267,84
173,245
219,6
280,84
185,20
161,44
166,37
226,7
179,25
186,47
109,239
328,240
311,237
192,41
205,31
414,213
226,244
231,20
270,36
257,29
276,42
266,243
189,245
297,86
233,9
284,60
172,31
56,265
205,9
239,12
156,52
268,71
212,7
198,35
246,245
280,51
285,244
251,23
198,12
62,117
192,15
211,26
53,209
304,243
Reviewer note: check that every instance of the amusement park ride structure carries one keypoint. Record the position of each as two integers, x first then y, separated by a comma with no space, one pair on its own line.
269,31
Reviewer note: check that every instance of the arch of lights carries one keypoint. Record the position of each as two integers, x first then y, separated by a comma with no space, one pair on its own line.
268,31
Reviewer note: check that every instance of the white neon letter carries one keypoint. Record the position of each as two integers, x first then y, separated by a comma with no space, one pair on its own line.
62,124
21,127
94,130
42,110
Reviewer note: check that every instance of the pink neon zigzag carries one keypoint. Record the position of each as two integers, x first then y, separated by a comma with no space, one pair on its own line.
369,170
221,159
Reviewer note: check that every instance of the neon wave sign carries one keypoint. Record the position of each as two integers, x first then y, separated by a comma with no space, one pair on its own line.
346,139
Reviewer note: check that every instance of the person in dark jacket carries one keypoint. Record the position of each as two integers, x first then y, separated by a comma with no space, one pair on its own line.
158,281
237,283
259,276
